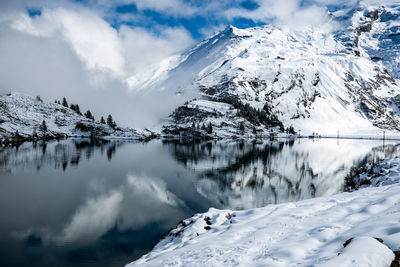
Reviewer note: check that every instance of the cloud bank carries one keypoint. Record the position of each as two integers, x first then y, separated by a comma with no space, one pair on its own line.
74,52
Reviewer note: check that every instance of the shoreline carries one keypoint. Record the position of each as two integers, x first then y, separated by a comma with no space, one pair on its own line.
4,141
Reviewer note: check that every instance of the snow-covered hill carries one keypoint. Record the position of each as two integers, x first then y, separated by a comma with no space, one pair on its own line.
22,116
253,80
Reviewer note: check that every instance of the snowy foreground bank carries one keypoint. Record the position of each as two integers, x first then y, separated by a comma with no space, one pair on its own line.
305,233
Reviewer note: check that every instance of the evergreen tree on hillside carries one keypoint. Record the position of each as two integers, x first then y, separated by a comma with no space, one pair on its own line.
43,126
102,120
89,115
209,128
75,108
64,102
241,127
110,122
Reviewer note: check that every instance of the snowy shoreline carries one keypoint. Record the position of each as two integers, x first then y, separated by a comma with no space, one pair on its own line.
307,233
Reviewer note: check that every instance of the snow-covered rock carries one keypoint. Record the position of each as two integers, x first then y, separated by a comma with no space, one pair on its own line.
362,251
383,172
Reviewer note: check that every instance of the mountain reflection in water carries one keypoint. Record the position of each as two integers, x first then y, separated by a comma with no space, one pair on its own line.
248,174
105,203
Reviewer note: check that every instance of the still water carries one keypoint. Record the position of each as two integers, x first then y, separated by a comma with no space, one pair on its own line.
82,202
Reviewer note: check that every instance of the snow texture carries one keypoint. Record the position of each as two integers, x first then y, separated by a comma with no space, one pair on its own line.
362,251
304,233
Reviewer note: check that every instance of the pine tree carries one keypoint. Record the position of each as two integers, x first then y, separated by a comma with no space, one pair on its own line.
110,122
241,127
203,127
193,126
77,109
209,128
291,130
43,126
89,115
65,103
102,120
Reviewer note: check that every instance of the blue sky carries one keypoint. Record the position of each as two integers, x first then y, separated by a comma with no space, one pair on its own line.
198,17
208,14
194,23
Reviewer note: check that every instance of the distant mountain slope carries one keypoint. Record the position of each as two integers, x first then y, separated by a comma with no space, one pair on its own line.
21,118
257,80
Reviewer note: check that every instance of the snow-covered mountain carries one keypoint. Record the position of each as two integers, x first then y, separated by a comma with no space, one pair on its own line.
253,80
22,116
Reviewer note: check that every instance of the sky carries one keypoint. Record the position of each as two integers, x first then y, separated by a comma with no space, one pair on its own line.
86,50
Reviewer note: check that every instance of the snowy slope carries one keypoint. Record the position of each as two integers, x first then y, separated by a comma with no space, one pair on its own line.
23,113
305,233
314,80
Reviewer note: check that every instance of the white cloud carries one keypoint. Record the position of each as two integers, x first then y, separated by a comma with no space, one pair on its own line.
142,48
92,220
122,207
169,7
73,52
93,40
288,13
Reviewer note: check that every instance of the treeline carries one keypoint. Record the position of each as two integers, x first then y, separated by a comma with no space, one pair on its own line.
253,115
208,128
88,114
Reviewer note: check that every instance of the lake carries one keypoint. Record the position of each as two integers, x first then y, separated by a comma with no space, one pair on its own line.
82,202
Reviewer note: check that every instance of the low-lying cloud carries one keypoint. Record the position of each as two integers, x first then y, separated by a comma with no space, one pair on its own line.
75,53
